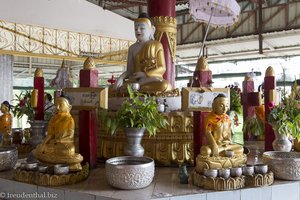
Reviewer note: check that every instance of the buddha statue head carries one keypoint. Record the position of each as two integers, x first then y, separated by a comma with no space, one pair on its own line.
220,104
62,104
144,28
5,107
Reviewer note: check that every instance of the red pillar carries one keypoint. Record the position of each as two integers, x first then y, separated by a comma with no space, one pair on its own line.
248,109
87,119
269,86
38,84
163,14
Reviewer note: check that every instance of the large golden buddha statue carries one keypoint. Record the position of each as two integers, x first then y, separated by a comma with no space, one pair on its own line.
58,146
5,122
218,132
145,62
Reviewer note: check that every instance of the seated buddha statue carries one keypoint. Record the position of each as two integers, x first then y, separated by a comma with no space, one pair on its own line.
145,62
5,123
58,146
217,130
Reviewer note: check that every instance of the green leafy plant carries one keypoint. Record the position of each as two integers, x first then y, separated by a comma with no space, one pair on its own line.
23,106
137,111
254,126
285,117
235,99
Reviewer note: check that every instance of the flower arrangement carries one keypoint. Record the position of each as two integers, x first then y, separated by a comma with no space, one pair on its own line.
235,99
137,111
285,117
23,106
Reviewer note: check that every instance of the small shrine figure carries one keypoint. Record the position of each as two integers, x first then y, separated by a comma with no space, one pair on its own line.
63,78
218,132
6,123
146,61
58,146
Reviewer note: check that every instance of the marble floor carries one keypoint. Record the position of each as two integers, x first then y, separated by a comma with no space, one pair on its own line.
165,185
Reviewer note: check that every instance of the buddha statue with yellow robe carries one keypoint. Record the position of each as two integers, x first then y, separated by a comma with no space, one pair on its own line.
58,146
6,123
218,132
146,61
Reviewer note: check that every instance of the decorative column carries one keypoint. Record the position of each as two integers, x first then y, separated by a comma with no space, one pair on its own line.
6,78
269,96
87,118
163,15
248,109
38,94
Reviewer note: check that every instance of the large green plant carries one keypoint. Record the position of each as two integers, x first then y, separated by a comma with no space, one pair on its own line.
285,117
137,111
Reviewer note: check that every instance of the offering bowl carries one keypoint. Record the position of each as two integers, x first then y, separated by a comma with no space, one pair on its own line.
8,157
129,172
248,170
212,173
61,169
236,171
260,168
229,153
43,168
31,166
225,173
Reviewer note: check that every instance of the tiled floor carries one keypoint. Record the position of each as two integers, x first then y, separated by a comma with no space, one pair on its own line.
164,186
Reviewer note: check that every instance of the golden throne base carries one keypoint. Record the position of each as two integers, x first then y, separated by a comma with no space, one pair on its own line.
260,180
218,183
217,162
37,178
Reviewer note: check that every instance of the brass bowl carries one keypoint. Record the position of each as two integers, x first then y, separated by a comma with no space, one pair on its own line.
8,157
129,172
285,165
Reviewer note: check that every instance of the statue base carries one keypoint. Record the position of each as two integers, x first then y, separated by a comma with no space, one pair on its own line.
37,178
218,183
216,162
260,180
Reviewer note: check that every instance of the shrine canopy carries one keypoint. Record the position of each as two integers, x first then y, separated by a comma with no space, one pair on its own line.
71,15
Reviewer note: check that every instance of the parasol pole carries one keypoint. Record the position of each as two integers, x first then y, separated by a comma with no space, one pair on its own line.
206,32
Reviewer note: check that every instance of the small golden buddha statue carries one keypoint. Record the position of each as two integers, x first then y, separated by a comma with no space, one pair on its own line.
6,123
58,146
38,72
145,62
218,132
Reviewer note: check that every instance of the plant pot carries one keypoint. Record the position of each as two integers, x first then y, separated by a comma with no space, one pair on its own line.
281,142
38,130
134,137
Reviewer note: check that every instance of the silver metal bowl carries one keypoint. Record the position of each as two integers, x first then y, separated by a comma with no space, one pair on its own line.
224,172
32,166
129,172
248,170
229,153
43,168
135,86
285,165
8,157
61,169
260,168
236,171
213,173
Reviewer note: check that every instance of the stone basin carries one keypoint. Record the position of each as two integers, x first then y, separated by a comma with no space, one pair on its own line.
129,172
285,165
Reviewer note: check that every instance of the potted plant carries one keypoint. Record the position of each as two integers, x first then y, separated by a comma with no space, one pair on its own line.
138,113
285,120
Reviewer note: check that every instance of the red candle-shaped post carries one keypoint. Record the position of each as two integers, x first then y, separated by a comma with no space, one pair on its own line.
87,118
163,15
269,96
202,74
38,94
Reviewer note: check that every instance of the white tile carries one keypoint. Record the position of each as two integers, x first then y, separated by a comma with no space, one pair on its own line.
225,195
51,193
144,193
260,193
6,186
190,197
71,195
25,189
288,191
104,198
